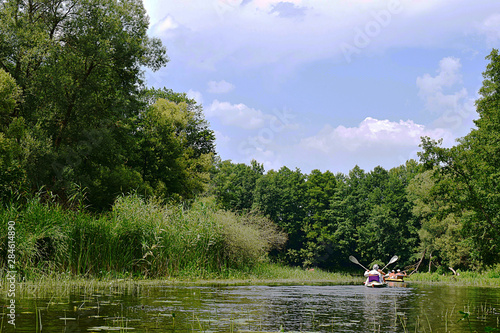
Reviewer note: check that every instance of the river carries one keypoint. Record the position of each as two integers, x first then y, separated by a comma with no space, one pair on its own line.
260,308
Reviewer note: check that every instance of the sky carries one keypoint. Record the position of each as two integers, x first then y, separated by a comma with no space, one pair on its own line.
328,85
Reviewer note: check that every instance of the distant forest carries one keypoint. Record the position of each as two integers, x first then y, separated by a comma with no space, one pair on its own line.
80,129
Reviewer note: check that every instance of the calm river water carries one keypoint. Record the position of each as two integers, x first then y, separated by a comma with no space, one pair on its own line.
303,308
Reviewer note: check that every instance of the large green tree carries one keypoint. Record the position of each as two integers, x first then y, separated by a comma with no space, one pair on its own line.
473,166
441,233
12,171
172,155
390,227
79,65
319,225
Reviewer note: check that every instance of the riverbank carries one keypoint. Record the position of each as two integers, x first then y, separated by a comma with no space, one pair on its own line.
261,274
488,278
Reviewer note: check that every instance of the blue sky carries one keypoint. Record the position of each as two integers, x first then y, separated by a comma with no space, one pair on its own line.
327,85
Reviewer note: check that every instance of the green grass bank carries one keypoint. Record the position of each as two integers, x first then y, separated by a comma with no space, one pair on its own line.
487,278
260,274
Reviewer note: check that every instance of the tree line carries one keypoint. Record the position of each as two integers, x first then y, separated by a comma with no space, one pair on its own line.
328,216
78,121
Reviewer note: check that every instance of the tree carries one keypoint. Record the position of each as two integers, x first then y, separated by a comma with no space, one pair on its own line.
10,95
280,196
441,233
170,157
12,173
372,215
234,184
473,167
197,133
318,225
79,64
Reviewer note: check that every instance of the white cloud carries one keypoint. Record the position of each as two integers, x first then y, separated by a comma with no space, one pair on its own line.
455,108
238,115
448,75
221,138
371,135
491,28
211,33
196,95
168,23
220,87
373,142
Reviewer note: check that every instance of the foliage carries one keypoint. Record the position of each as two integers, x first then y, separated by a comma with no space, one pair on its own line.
233,185
78,66
328,217
279,195
137,237
172,155
441,230
10,95
471,167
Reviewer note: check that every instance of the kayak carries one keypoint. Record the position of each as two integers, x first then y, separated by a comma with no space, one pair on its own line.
375,284
394,279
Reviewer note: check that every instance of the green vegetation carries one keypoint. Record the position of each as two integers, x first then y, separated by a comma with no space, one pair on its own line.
328,217
467,177
262,273
138,238
78,124
487,278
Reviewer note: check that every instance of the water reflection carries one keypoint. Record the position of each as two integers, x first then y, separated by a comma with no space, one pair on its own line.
336,308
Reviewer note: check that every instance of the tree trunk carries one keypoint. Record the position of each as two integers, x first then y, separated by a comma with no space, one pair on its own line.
430,261
416,269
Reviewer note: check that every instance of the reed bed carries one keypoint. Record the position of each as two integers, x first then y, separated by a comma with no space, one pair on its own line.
138,238
60,284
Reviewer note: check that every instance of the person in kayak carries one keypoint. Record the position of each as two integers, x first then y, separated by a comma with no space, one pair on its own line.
374,275
400,274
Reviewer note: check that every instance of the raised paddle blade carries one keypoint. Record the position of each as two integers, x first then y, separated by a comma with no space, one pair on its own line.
393,260
354,260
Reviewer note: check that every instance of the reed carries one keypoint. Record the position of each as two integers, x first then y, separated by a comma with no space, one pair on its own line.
277,272
138,238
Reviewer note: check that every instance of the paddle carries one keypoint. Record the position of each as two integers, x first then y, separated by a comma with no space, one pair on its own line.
354,260
393,260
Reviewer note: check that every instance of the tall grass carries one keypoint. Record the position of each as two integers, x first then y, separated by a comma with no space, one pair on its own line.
137,238
486,278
